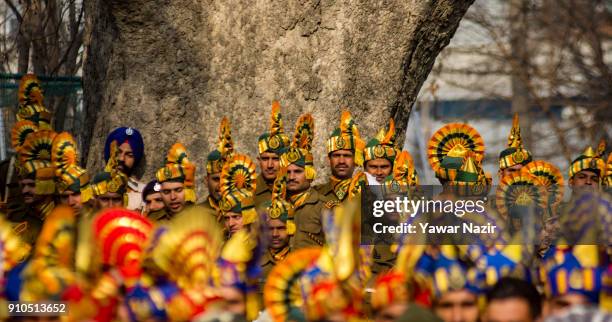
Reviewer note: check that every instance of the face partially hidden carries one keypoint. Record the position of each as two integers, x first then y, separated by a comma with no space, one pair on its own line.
508,310
342,163
278,234
269,163
212,182
233,300
28,190
585,180
457,306
154,202
379,168
296,179
125,157
109,200
173,195
233,222
391,312
560,304
72,199
510,170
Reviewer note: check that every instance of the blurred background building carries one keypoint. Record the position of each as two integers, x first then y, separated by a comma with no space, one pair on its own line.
549,61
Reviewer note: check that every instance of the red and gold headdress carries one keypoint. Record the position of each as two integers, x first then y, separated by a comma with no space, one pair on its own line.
68,175
449,146
390,287
237,187
188,248
328,296
299,151
346,137
185,251
35,158
121,236
179,168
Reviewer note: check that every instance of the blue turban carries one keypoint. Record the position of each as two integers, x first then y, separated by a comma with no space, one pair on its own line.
129,135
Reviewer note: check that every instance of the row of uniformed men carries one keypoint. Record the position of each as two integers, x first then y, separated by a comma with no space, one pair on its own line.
47,166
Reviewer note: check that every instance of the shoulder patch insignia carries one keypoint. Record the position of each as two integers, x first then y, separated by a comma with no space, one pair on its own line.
20,228
331,204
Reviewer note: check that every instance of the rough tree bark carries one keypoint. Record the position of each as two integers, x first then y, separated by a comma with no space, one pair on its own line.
174,69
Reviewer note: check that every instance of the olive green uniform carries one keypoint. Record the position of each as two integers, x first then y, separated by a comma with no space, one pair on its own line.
268,262
28,221
326,191
208,205
160,215
164,214
307,217
263,193
383,258
27,225
10,192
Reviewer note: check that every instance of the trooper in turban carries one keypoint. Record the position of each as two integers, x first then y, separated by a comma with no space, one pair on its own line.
130,152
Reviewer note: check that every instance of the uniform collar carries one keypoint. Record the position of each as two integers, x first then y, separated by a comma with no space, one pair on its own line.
159,215
327,188
313,196
262,186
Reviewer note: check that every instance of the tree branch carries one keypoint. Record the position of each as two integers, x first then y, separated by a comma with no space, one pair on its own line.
15,10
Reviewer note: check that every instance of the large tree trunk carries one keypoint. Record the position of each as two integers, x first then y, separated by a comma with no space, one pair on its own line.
174,69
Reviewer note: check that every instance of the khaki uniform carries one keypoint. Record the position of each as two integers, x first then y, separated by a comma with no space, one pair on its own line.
10,192
326,191
307,217
268,262
383,258
27,225
206,204
263,193
160,215
164,215
28,222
